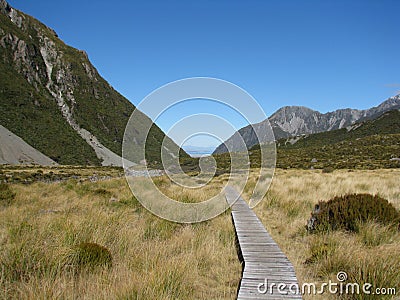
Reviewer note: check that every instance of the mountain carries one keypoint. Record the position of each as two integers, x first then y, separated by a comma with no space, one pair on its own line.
15,151
387,123
53,98
296,120
369,144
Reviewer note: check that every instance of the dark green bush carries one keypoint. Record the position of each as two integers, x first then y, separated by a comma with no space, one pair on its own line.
347,212
6,194
92,255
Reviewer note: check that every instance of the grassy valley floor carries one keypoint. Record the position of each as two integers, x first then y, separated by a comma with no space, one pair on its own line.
372,255
42,225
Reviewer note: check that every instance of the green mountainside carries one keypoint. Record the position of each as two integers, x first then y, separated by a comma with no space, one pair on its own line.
28,109
54,99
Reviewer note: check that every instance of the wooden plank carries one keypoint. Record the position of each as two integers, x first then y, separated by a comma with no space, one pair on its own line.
263,260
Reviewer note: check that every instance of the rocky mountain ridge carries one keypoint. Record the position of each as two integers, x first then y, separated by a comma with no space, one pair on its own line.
388,123
291,121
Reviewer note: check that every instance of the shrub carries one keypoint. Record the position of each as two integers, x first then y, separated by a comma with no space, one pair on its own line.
327,170
91,255
6,194
347,212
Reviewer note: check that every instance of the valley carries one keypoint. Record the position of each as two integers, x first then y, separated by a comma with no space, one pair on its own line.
42,224
84,215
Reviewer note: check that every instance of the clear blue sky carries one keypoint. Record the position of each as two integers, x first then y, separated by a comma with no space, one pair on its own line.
321,54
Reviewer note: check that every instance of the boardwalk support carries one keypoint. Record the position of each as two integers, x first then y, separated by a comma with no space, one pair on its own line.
267,273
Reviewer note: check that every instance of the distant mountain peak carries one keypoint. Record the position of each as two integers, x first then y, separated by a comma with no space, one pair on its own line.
290,121
392,101
295,108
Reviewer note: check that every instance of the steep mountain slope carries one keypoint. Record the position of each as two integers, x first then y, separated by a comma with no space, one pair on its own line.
251,135
295,120
53,98
14,150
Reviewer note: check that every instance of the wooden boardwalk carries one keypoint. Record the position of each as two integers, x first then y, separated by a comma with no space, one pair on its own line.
264,264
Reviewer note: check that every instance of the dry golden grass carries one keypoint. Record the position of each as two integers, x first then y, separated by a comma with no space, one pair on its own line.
152,258
372,255
188,194
157,259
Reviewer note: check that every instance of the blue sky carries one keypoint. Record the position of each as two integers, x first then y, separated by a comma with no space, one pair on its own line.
321,54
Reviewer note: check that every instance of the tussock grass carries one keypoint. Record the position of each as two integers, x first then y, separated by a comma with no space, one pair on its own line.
6,195
42,229
371,255
156,259
187,194
372,234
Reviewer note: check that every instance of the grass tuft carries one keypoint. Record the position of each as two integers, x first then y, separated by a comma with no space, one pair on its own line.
90,255
6,195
